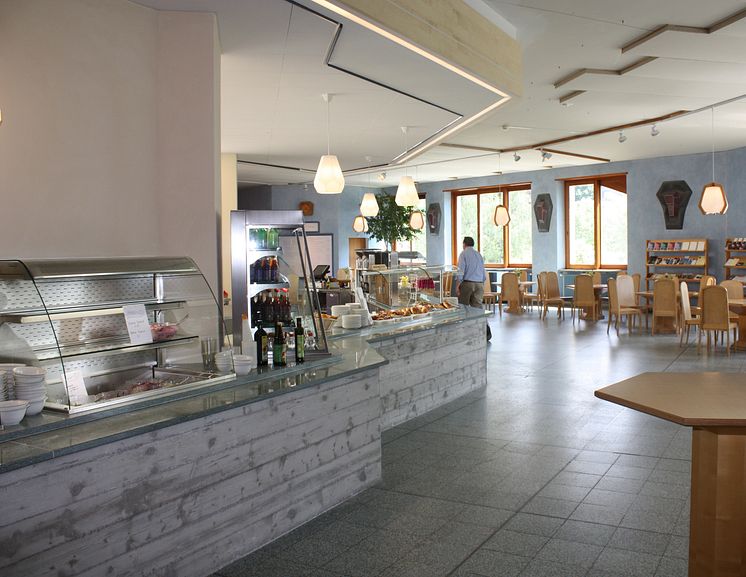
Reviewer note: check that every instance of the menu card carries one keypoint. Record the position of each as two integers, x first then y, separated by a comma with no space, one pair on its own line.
138,325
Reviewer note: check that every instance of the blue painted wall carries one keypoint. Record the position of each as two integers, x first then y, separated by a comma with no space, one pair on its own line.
644,212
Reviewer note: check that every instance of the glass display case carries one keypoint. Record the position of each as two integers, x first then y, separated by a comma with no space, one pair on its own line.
405,286
272,278
111,331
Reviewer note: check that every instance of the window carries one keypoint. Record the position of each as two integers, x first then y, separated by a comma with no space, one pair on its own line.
473,213
596,222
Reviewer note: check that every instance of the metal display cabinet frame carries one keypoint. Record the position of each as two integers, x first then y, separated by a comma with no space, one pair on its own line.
244,253
68,317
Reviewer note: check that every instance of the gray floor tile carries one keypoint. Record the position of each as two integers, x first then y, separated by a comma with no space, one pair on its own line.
630,563
621,485
523,544
312,552
564,492
485,516
549,507
488,563
670,567
643,541
534,524
678,547
598,514
582,532
545,569
588,467
570,553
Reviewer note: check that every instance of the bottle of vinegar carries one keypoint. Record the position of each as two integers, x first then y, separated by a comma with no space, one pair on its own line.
261,338
280,347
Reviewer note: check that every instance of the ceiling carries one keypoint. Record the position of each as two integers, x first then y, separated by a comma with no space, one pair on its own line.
274,72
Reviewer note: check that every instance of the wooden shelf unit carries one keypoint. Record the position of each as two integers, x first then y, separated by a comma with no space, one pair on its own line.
739,268
665,256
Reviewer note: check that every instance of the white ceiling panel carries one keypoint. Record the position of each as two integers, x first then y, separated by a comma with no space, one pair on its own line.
708,47
693,70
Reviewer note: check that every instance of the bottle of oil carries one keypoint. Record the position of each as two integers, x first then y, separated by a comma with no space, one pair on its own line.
300,342
280,347
261,339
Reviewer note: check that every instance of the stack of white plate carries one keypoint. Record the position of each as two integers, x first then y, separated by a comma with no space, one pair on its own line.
29,386
352,321
6,379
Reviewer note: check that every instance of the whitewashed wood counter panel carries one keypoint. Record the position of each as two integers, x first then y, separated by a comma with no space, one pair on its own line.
185,500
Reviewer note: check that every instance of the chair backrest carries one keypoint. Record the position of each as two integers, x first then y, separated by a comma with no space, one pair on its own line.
734,288
509,283
705,281
584,290
487,284
626,290
715,308
447,284
523,275
686,306
664,297
541,279
552,285
636,282
613,296
597,277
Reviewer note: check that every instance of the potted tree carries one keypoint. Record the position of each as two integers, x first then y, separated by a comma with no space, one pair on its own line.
392,222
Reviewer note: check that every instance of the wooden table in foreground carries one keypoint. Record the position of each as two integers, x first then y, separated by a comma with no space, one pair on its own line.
714,404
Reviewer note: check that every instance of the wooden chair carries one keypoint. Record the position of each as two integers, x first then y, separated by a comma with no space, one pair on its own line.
447,284
532,298
584,297
541,282
715,316
705,281
664,301
552,297
510,292
734,288
617,306
490,297
688,321
597,277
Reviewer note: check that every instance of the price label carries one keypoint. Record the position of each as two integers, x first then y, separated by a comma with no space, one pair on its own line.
138,325
76,388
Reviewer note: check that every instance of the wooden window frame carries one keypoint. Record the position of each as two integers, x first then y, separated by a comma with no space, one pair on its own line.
596,181
505,189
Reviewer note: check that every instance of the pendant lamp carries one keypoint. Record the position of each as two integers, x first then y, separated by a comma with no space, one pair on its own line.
406,193
502,217
369,206
417,220
360,224
329,178
713,199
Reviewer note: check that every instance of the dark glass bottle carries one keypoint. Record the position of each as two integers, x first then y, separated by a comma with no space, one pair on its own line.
262,340
280,347
274,272
266,271
300,342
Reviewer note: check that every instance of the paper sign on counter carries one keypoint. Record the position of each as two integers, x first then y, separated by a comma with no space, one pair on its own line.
76,388
138,325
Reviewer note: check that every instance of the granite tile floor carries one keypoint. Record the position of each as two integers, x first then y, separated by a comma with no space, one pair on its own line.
532,476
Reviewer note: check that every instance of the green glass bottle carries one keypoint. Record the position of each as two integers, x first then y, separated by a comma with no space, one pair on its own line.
262,348
280,347
300,342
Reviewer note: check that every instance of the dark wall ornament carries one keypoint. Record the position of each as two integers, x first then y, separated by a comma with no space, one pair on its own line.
674,197
543,209
433,218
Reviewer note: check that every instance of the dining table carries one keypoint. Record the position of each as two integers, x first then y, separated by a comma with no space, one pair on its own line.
714,406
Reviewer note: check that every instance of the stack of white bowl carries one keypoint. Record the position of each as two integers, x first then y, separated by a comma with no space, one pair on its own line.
243,364
224,361
29,386
6,379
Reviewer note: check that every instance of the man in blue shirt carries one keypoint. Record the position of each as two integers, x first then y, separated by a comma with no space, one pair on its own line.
470,289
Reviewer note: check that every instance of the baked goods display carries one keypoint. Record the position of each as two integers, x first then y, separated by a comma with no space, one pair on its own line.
421,308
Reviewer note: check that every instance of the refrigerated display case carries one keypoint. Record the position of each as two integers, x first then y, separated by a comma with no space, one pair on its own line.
77,318
270,283
405,286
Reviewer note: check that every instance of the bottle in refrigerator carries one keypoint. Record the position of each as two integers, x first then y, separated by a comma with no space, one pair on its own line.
274,272
262,342
300,341
266,271
279,348
273,238
261,238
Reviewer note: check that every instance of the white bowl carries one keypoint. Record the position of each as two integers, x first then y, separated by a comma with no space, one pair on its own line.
242,369
35,406
29,372
12,412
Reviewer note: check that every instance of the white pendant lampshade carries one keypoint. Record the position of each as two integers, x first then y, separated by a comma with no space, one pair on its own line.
329,178
713,200
417,220
502,218
406,194
369,206
360,224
